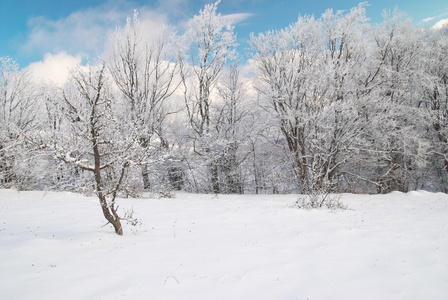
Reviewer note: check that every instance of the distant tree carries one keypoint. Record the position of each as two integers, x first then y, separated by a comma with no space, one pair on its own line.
308,76
395,132
209,44
233,124
144,73
435,88
18,117
335,105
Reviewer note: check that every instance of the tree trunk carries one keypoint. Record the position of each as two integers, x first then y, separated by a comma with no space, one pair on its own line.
175,177
109,210
230,172
215,178
145,176
111,215
6,167
256,179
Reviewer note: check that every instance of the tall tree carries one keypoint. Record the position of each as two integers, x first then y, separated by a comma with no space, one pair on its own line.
395,132
233,123
145,75
18,117
209,43
306,73
435,87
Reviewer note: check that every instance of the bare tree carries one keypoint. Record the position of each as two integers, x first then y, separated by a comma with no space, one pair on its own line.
18,117
92,138
145,75
210,42
395,131
309,74
435,87
234,127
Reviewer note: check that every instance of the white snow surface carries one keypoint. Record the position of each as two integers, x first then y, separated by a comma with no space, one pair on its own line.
54,246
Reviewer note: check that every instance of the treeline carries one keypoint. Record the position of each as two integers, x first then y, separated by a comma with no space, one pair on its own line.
329,104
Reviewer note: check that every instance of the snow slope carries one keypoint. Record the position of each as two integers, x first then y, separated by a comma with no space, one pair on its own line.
395,246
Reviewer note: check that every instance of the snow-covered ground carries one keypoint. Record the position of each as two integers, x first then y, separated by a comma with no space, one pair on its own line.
395,246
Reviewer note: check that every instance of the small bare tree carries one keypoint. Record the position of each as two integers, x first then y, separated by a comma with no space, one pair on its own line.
92,138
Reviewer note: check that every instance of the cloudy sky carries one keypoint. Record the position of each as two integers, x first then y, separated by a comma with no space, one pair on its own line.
54,33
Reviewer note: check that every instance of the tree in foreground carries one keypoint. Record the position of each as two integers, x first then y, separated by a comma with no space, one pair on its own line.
92,138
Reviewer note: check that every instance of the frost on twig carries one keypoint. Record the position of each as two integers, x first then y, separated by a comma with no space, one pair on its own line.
129,218
318,200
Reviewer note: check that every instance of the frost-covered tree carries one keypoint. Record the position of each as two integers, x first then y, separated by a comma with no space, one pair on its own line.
435,88
234,129
92,138
209,43
395,133
18,118
144,73
308,74
335,104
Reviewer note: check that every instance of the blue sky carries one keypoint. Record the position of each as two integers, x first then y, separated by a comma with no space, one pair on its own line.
31,30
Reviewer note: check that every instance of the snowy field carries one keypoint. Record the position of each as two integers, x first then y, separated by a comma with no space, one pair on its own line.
395,246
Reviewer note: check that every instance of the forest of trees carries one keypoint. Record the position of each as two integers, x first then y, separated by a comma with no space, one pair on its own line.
334,104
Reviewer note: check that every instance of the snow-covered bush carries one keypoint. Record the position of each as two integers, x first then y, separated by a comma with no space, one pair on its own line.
319,199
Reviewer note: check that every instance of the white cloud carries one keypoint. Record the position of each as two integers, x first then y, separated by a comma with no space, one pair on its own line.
177,9
84,32
429,19
54,68
68,42
238,18
441,23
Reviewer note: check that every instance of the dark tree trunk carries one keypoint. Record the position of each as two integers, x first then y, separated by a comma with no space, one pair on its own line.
215,178
232,179
175,178
111,215
109,210
145,176
6,167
